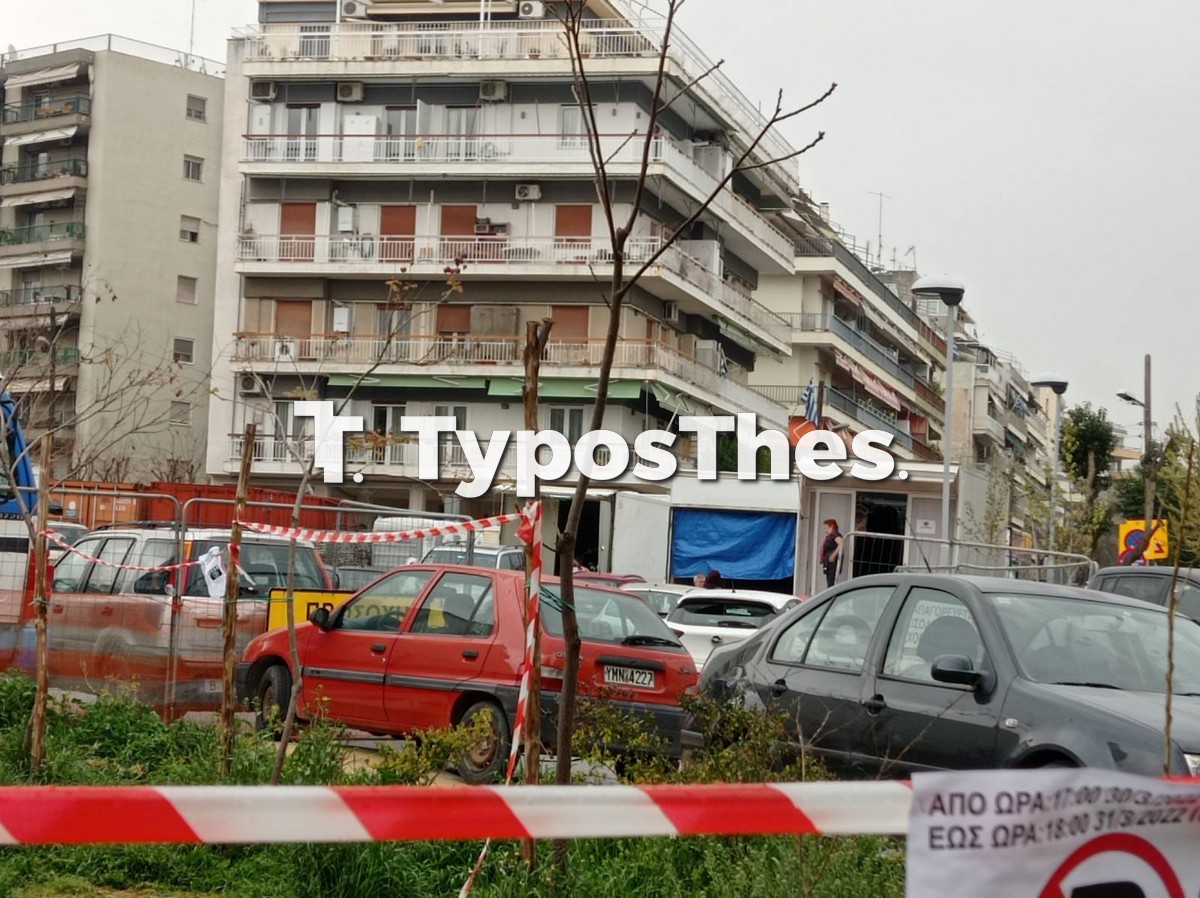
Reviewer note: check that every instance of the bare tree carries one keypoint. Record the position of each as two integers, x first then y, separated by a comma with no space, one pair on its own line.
572,16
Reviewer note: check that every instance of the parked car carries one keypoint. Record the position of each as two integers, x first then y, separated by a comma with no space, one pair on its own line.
353,577
896,674
438,645
704,619
602,578
112,624
508,558
1151,584
68,532
662,597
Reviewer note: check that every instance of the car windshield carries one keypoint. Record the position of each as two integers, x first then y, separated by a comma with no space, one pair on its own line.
1088,643
264,567
607,617
69,533
458,555
721,612
357,578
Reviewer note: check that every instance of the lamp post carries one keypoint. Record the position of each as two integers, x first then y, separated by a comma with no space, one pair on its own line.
950,292
1058,384
1149,469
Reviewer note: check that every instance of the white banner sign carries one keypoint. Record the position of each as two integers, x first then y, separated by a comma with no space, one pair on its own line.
1053,834
213,567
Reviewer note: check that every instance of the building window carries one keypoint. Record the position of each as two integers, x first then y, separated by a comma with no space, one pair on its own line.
189,229
572,132
197,108
184,351
568,422
185,290
181,413
193,168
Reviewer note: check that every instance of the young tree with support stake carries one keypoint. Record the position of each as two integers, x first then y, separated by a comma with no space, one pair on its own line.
572,16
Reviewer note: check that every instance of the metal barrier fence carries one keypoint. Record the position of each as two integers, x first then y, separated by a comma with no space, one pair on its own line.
131,607
866,553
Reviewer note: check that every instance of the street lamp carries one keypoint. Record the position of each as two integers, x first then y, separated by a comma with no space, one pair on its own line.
950,292
1058,384
1149,470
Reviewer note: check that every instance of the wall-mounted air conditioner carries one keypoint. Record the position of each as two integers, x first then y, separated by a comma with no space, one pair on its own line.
531,9
250,385
493,90
262,90
350,91
671,312
528,192
355,9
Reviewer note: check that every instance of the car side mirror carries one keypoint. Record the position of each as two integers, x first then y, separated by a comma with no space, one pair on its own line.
958,670
320,618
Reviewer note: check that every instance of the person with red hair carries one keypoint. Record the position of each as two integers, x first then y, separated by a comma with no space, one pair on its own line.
831,551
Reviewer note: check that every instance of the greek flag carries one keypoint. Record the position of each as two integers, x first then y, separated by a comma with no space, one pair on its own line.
809,399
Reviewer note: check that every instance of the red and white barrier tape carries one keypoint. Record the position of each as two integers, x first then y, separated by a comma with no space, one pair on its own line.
41,815
450,528
58,540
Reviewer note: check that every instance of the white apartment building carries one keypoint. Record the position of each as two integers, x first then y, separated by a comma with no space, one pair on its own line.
108,207
414,138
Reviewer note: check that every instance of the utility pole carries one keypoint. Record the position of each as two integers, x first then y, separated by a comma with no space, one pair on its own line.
1150,480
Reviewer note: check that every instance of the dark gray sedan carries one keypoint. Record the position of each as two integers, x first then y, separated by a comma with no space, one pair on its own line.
895,674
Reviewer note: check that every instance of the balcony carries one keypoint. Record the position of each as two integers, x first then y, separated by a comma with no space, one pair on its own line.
675,275
496,357
873,417
984,424
63,230
25,301
812,247
44,109
38,173
615,47
500,156
46,244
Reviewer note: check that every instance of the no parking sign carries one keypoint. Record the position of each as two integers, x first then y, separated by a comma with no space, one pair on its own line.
1053,834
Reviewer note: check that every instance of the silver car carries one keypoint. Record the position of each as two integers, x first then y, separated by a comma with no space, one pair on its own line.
706,619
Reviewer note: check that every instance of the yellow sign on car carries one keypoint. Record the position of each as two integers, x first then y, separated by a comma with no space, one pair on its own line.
307,600
1130,536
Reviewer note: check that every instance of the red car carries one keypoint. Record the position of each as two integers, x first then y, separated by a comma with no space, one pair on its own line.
431,646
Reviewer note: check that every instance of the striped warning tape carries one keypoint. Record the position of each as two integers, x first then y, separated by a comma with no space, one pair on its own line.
40,815
450,528
58,540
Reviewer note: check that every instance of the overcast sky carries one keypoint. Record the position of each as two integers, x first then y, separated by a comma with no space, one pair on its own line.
1042,152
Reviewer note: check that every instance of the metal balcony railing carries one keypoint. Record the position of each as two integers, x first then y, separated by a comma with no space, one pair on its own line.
72,166
46,108
62,230
11,359
33,295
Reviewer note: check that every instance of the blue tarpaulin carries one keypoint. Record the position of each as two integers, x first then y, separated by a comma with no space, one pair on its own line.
742,545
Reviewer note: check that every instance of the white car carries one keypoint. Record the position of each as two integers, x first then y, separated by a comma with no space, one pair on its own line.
662,597
706,619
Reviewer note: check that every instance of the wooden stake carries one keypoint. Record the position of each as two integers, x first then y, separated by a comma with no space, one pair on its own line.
41,599
229,613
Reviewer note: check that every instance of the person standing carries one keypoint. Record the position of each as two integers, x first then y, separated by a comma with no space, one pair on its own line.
831,551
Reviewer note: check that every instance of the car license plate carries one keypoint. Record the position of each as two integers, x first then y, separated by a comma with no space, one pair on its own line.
628,676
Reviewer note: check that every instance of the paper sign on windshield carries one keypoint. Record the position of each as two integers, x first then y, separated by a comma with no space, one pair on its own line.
1053,834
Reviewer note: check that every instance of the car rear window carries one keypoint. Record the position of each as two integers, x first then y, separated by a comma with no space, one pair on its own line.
264,566
447,555
607,617
704,612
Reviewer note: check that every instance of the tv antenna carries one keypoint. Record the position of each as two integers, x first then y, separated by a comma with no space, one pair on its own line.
879,234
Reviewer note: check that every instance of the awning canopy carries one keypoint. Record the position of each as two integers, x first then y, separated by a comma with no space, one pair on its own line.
566,388
30,199
870,382
672,400
43,76
412,381
742,545
20,140
34,260
34,384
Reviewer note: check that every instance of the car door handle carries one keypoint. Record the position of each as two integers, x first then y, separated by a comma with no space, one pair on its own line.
470,654
778,688
716,639
875,704
378,648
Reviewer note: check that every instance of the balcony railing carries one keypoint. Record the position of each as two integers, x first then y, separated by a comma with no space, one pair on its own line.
72,166
38,109
585,252
63,230
872,416
26,296
321,349
512,40
12,359
821,246
507,149
926,392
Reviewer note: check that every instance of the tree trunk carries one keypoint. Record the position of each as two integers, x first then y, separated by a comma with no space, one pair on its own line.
229,615
41,598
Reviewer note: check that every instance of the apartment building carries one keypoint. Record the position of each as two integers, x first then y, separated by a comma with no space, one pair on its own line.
400,141
108,206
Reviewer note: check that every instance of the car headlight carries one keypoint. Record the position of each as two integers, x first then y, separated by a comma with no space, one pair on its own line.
1193,762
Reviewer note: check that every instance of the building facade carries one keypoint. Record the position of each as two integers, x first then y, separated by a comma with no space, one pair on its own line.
108,207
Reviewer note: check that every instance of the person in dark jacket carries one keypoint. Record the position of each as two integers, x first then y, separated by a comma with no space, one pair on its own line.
713,580
831,551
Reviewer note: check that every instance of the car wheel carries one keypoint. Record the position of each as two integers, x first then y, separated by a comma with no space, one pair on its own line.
274,693
485,762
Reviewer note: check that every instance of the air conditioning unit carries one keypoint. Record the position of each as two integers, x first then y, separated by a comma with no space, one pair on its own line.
285,350
350,91
528,192
250,385
355,9
262,90
493,90
531,9
671,312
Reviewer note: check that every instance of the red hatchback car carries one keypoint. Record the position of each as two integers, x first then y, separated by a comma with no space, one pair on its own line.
431,646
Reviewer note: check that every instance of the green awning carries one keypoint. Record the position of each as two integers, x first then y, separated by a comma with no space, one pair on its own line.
672,400
566,388
423,381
